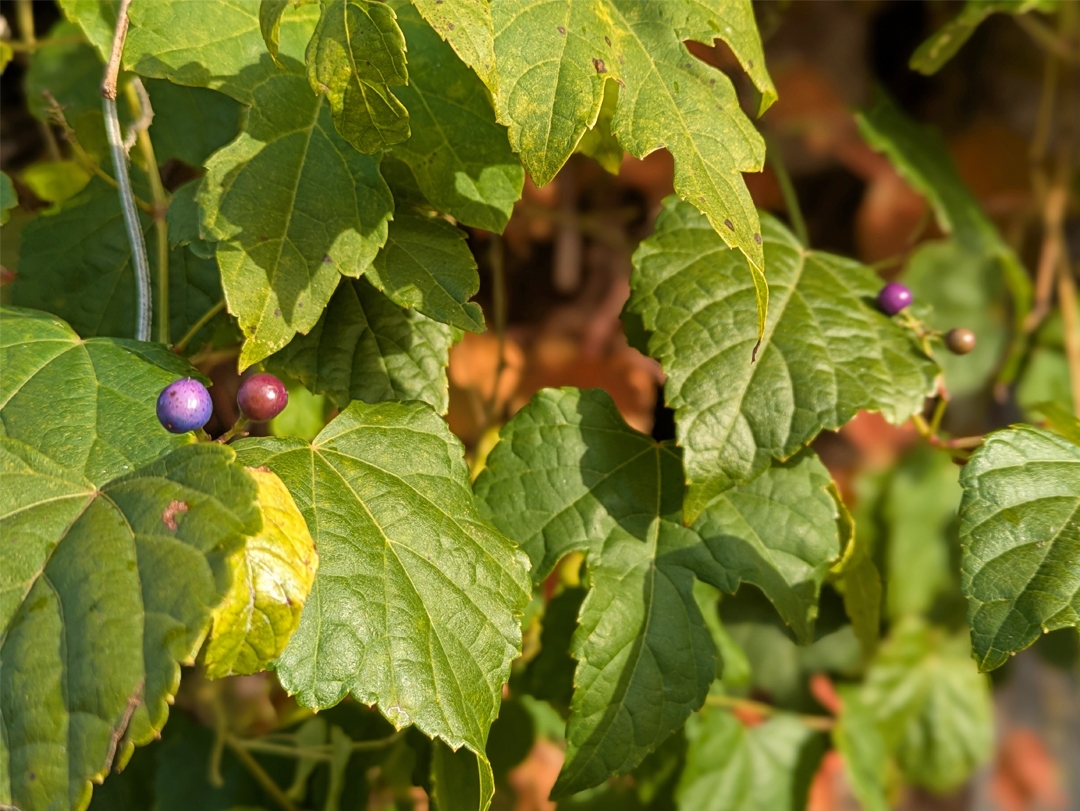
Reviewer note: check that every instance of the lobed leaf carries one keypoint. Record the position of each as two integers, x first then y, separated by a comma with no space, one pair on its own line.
553,60
730,767
365,347
293,207
268,582
415,601
87,405
355,56
568,474
459,155
827,352
99,610
1020,531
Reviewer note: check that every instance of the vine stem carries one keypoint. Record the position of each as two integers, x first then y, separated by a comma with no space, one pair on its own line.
123,179
821,723
140,104
204,319
260,775
787,189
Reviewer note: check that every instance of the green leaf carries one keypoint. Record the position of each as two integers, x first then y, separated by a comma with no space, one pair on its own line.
730,767
568,474
55,181
862,748
459,155
922,159
8,198
181,40
270,13
553,61
365,347
99,613
460,781
184,217
303,417
97,19
190,123
71,71
932,706
415,599
857,579
466,25
599,142
1061,421
77,264
427,266
942,45
294,207
550,676
1020,530
88,405
355,56
268,582
827,351
965,289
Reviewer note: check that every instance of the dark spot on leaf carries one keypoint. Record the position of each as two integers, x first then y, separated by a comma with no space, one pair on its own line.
729,225
299,305
621,82
262,469
32,776
561,30
326,260
168,515
608,41
438,2
676,86
450,26
369,63
757,238
753,355
749,63
689,65
712,81
702,199
277,313
599,65
263,239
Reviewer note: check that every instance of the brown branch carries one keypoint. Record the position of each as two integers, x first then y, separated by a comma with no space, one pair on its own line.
112,69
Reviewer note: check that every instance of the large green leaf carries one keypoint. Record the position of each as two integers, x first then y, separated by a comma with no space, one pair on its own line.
88,405
99,610
190,123
426,266
217,45
365,347
466,25
568,474
827,351
294,207
77,264
1020,530
730,767
942,45
931,705
553,60
355,55
460,156
415,601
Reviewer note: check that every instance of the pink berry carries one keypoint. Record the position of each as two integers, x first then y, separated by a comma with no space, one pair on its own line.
893,298
262,397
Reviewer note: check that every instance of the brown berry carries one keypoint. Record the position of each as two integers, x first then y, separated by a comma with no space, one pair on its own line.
960,341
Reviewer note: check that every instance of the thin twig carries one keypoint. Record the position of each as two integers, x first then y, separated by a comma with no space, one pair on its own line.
1045,37
140,101
787,189
204,319
25,12
123,179
822,723
260,775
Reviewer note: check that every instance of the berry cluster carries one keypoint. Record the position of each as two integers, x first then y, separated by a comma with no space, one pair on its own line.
894,297
185,405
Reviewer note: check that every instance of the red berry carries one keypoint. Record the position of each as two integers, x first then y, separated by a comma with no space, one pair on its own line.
960,341
262,397
893,298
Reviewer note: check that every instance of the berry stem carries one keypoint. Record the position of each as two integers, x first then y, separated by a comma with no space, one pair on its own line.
237,429
818,722
787,190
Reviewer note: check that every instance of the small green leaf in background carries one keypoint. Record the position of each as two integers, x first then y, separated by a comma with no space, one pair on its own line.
268,582
190,123
77,264
99,613
184,218
942,45
303,417
270,12
1045,377
293,207
460,781
1020,530
426,266
827,352
767,767
355,56
965,289
567,475
365,347
8,198
858,580
466,25
55,181
599,142
88,405
553,62
932,706
416,598
1061,421
862,748
459,155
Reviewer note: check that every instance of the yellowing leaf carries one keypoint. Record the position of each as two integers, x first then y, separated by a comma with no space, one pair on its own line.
271,579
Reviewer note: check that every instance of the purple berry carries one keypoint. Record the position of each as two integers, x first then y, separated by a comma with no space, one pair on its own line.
262,397
184,406
893,298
